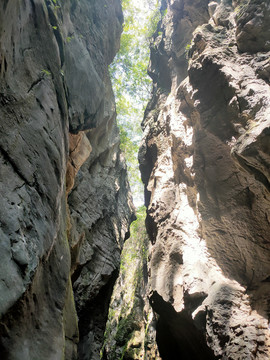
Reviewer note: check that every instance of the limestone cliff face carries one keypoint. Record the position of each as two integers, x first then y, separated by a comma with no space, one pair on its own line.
130,330
65,203
205,165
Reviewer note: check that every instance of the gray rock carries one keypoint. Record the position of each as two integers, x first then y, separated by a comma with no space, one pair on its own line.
252,31
205,166
54,79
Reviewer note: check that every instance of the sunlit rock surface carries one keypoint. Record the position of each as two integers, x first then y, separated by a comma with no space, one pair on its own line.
65,202
205,165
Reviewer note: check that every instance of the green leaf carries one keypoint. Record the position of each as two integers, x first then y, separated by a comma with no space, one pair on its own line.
46,72
131,83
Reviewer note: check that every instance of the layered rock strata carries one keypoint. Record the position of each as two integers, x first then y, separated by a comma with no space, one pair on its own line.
205,165
65,203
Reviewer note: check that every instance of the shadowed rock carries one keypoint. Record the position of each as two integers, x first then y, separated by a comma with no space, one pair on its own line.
58,137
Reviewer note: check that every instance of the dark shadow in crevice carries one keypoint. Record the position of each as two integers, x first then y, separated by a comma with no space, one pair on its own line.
177,336
92,320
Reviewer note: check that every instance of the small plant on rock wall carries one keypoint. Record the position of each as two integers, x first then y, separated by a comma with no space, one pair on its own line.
188,51
126,318
55,5
45,72
69,38
164,13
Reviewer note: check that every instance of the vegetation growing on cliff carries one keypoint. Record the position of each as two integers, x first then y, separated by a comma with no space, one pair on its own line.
128,333
132,85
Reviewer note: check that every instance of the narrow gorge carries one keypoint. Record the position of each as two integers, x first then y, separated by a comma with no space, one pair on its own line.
197,285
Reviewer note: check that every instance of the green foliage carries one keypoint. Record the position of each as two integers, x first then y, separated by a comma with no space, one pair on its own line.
132,88
164,13
55,5
126,316
138,235
137,228
69,38
138,250
46,72
188,50
125,328
131,84
153,21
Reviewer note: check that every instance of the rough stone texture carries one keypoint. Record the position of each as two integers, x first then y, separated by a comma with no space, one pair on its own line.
131,326
205,165
58,136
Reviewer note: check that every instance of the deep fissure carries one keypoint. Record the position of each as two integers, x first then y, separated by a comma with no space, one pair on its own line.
80,279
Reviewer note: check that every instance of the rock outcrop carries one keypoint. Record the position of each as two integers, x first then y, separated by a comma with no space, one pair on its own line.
205,165
65,202
130,331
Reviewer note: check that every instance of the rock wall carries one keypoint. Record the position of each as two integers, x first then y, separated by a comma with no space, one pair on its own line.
65,202
205,165
130,330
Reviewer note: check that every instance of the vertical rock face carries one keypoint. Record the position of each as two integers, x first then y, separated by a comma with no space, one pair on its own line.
130,330
205,165
65,202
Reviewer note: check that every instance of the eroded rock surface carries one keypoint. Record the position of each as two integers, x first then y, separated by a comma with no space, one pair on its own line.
131,326
205,165
65,202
